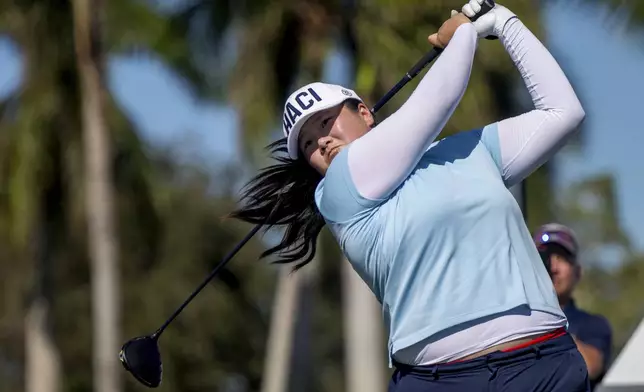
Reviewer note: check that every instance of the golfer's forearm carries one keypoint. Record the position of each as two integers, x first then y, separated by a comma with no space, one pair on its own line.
543,77
394,147
529,140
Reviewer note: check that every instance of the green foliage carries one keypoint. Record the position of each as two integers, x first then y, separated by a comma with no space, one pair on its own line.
615,294
135,28
221,333
592,206
169,223
611,283
282,44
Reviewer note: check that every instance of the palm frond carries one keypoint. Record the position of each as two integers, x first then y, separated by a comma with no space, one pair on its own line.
8,17
135,28
8,107
282,45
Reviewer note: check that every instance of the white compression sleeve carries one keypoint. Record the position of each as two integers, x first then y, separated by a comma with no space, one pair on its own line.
529,140
393,148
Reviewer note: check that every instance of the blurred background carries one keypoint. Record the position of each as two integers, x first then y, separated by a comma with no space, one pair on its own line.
127,128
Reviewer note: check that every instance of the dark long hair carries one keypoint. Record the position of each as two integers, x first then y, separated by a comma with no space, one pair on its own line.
283,194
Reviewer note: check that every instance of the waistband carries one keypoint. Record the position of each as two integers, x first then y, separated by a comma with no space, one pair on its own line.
551,335
541,346
542,338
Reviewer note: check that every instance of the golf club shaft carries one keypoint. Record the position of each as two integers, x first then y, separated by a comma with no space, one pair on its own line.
413,72
422,63
212,274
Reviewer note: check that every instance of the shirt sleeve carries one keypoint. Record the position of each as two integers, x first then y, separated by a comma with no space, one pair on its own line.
336,196
523,143
393,148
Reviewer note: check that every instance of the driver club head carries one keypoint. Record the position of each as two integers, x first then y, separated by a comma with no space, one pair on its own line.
141,357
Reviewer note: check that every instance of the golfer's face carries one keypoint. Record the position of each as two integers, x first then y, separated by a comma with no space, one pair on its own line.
327,132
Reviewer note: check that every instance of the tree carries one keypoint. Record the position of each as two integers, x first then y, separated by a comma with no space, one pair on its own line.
99,191
42,154
612,269
220,337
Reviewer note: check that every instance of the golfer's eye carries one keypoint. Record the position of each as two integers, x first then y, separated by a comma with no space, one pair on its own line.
307,144
325,122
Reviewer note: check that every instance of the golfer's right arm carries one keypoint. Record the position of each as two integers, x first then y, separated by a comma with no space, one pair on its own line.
383,158
527,141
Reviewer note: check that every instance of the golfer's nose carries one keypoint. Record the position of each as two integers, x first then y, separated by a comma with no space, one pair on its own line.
324,142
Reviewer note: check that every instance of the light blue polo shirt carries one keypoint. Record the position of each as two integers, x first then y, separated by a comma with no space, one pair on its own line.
448,246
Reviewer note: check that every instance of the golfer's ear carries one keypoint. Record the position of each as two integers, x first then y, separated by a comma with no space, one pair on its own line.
366,115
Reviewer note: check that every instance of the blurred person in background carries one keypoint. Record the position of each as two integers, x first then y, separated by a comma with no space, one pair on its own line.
592,333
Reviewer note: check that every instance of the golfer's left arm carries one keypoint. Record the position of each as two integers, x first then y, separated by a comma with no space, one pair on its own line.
527,141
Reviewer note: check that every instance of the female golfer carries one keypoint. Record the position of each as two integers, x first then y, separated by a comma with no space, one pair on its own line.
430,225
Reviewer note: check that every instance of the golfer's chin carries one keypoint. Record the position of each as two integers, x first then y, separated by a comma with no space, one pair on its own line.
321,163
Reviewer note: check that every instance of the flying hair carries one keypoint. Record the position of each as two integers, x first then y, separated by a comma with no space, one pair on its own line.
283,195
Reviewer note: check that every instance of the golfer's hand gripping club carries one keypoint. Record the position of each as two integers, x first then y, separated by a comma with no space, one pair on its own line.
486,7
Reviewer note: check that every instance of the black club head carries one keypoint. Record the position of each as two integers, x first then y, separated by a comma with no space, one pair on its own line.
141,357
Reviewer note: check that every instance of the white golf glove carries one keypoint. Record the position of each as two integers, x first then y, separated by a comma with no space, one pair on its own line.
489,25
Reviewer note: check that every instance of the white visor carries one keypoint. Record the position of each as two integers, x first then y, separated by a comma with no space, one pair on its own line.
307,101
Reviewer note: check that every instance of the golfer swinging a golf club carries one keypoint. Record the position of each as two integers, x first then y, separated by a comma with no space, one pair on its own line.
429,225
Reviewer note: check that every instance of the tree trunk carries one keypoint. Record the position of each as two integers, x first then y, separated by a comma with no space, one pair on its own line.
42,367
365,358
99,197
280,338
287,363
43,361
364,337
301,368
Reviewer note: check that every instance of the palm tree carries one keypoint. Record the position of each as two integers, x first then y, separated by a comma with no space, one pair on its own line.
43,153
286,367
99,190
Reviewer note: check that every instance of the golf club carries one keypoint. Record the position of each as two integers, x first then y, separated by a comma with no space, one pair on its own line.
141,356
